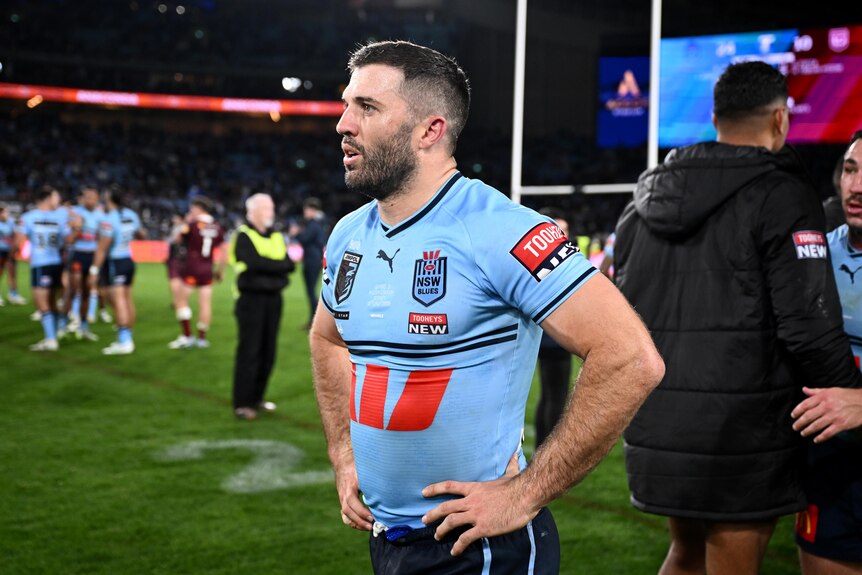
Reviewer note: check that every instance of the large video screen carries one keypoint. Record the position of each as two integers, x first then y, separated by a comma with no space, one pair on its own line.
823,68
623,113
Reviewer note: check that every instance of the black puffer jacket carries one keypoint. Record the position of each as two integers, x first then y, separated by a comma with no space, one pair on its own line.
744,313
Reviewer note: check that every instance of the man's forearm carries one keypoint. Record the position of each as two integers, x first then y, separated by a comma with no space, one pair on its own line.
331,370
610,389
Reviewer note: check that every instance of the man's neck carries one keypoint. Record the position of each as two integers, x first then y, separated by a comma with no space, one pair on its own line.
854,236
419,191
260,228
756,140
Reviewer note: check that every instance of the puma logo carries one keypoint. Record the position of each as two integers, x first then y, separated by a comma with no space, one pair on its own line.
844,268
381,255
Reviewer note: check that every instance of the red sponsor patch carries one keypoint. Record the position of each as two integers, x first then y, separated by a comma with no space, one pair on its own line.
542,249
810,244
809,238
806,523
428,323
428,318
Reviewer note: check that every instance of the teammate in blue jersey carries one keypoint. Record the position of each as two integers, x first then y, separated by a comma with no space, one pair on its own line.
829,532
113,267
426,341
46,227
85,223
7,257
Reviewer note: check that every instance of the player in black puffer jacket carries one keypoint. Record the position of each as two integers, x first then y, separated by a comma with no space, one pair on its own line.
723,253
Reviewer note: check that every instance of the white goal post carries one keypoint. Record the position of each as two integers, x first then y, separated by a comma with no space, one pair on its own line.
517,188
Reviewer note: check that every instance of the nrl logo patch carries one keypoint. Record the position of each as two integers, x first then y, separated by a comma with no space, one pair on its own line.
429,278
346,275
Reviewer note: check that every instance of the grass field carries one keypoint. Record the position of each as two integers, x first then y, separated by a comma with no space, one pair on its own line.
136,465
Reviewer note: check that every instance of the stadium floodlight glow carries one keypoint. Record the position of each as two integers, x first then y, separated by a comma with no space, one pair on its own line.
291,84
162,8
181,9
1,66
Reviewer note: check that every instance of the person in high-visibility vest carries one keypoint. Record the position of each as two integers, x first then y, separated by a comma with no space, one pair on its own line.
259,257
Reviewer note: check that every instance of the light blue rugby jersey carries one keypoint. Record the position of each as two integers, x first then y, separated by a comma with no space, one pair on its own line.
89,236
7,230
46,231
440,314
120,225
847,263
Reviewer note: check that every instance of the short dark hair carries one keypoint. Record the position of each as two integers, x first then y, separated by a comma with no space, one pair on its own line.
746,89
114,195
433,83
553,213
203,203
44,193
313,203
857,135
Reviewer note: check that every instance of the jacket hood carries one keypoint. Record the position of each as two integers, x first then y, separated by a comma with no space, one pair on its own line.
676,197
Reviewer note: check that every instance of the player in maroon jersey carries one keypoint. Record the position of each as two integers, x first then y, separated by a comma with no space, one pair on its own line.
201,236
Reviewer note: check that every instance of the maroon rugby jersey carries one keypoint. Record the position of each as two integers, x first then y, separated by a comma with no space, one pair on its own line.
204,235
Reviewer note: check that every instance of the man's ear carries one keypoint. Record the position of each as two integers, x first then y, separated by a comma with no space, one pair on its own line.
434,130
778,120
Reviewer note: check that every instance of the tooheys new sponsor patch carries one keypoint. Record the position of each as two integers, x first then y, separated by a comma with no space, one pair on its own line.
428,323
810,244
542,249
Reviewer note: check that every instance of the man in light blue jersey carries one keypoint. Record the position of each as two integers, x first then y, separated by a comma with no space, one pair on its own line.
46,227
113,267
85,224
829,532
425,345
7,257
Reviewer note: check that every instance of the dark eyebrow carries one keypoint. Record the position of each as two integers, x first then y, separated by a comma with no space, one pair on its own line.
850,161
364,100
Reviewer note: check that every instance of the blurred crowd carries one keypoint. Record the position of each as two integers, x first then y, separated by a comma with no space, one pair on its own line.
161,170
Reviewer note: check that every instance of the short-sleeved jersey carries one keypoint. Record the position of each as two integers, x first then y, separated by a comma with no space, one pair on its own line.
440,315
120,225
46,231
203,237
88,236
7,230
847,263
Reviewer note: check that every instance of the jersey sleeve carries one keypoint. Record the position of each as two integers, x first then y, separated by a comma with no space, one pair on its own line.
330,270
106,227
802,286
22,226
137,220
528,262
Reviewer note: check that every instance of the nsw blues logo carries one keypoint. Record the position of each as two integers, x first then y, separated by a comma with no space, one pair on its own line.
429,278
346,275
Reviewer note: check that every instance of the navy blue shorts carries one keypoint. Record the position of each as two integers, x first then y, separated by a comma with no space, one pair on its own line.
81,262
120,272
4,257
535,549
831,527
47,277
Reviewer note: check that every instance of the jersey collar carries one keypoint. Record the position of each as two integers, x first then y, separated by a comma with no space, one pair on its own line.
393,231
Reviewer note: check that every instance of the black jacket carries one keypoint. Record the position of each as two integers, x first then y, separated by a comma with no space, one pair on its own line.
261,274
706,253
313,239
